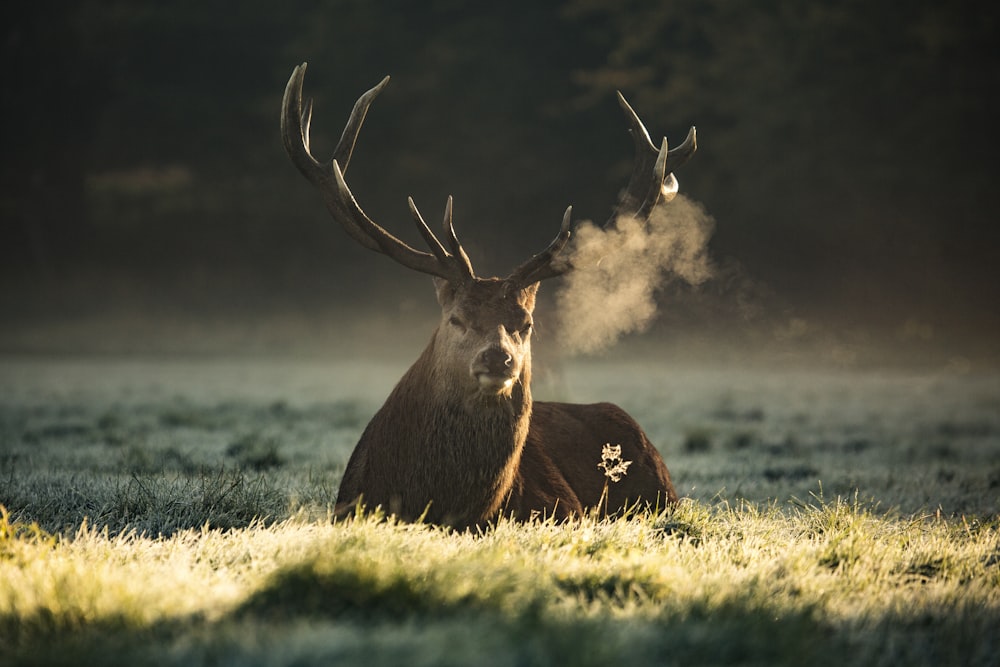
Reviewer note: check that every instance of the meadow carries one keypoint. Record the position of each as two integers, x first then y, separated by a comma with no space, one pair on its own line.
175,511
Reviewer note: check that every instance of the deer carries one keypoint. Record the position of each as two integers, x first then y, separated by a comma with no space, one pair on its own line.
459,442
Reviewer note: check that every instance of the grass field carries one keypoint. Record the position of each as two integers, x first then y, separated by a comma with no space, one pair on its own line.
176,512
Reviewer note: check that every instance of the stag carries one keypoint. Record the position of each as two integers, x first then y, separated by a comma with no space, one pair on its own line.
459,441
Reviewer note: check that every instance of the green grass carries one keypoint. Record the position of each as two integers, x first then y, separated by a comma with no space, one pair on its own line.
703,584
828,520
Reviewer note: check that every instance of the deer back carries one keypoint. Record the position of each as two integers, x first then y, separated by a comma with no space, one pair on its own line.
560,474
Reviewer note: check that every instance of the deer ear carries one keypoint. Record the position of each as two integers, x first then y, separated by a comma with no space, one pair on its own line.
445,292
529,293
524,295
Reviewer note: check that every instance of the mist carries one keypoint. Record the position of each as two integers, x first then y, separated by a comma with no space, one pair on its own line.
619,270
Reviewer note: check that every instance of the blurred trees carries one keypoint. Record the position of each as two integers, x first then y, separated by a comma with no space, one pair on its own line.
843,140
846,146
53,86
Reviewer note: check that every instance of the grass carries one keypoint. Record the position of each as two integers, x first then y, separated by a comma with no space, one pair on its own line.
704,584
155,527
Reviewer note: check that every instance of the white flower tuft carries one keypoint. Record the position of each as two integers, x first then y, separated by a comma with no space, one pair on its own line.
611,462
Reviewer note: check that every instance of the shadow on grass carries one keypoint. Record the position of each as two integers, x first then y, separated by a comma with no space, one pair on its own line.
579,623
405,630
307,615
353,594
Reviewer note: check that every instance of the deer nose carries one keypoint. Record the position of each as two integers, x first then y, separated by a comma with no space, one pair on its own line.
496,360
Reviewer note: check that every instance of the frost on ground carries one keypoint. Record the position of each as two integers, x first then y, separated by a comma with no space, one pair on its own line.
171,512
111,439
910,441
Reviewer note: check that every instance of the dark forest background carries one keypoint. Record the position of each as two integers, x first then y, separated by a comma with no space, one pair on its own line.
847,153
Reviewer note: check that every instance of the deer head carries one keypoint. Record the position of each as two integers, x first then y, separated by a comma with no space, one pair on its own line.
486,323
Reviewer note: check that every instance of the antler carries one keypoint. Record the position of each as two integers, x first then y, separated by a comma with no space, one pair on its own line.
453,266
546,264
652,171
652,178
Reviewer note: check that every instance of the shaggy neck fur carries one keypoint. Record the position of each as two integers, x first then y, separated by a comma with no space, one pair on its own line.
447,453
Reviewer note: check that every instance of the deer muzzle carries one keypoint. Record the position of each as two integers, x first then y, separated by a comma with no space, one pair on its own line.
494,369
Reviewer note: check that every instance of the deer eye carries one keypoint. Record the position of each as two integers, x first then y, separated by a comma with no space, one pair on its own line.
457,323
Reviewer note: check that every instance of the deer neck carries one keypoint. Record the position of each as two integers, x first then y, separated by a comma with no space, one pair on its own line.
449,394
466,446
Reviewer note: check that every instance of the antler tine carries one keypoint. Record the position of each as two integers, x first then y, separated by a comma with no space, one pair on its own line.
305,119
329,179
544,264
681,154
295,127
460,260
456,248
374,237
296,118
345,147
425,231
658,185
652,169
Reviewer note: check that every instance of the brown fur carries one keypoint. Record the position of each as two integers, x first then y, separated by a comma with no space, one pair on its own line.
459,441
559,476
443,450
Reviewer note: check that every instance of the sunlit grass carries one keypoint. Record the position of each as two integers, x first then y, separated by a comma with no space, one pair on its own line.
829,519
705,583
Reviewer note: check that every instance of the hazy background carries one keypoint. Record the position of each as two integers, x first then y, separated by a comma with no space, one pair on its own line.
846,166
